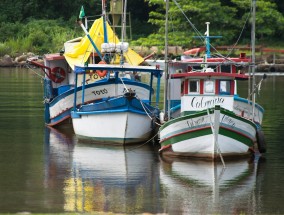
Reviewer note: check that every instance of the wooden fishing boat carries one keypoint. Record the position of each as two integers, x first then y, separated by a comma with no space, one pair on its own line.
99,45
123,119
212,121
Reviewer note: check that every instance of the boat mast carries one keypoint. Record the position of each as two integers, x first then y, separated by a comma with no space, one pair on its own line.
123,31
104,20
166,65
253,56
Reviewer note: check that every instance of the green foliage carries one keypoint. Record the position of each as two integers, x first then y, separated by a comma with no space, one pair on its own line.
4,49
228,19
40,26
39,36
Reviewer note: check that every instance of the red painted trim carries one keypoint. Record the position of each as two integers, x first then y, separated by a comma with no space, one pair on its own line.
237,132
201,86
203,128
217,60
185,89
59,121
233,69
189,68
232,87
165,147
194,51
210,75
55,56
217,87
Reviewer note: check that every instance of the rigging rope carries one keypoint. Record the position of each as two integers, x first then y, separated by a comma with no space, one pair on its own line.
142,104
201,36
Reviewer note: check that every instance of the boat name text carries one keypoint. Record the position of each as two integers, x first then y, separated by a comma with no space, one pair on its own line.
228,120
100,92
198,122
202,102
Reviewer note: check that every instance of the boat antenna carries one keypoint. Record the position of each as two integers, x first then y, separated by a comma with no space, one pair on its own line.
167,113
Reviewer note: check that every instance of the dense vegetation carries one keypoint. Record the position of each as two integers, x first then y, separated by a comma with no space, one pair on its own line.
42,26
227,18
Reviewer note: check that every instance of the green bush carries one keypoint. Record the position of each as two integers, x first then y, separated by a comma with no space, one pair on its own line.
4,49
38,36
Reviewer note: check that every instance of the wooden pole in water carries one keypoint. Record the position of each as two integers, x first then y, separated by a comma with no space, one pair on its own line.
166,63
253,56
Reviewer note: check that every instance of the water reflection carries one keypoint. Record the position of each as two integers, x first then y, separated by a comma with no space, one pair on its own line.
99,178
198,187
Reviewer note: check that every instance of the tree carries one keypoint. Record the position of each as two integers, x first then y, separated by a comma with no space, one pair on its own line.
228,19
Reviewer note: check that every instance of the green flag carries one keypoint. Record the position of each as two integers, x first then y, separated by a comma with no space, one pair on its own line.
82,13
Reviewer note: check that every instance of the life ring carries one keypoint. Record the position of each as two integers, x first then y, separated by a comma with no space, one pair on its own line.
57,74
101,73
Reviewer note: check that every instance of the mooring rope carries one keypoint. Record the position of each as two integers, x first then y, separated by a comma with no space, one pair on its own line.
152,138
35,72
143,106
124,85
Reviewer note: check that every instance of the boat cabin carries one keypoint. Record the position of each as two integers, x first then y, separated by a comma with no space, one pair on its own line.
204,87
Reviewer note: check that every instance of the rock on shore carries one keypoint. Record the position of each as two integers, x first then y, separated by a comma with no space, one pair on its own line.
8,61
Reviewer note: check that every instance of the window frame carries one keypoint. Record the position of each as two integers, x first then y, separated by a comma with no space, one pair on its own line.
228,91
197,87
213,88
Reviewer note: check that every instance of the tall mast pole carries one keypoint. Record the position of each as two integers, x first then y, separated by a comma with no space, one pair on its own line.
104,20
253,56
166,62
123,30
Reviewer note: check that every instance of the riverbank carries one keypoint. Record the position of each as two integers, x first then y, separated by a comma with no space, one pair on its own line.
18,61
267,62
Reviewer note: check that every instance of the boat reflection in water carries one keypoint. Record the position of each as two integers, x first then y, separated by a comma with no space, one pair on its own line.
103,178
202,187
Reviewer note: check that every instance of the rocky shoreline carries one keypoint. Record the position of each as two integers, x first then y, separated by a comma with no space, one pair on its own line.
19,61
267,63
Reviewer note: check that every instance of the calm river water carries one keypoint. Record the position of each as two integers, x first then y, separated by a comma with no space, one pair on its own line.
45,170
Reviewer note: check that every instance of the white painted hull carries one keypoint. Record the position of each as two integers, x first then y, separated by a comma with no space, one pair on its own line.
59,109
204,147
243,108
121,128
192,136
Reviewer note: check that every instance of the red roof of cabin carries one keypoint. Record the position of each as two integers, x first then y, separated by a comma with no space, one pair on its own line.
218,75
54,56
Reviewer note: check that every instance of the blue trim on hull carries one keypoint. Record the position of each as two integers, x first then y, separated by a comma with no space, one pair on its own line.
98,83
115,105
237,98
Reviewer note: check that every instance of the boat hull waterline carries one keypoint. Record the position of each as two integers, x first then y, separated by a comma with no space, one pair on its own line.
117,121
192,135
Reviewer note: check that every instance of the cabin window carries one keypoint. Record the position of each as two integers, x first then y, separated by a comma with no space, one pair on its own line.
225,68
193,86
209,86
224,87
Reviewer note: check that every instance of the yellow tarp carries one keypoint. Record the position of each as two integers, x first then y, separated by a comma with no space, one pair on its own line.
80,53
